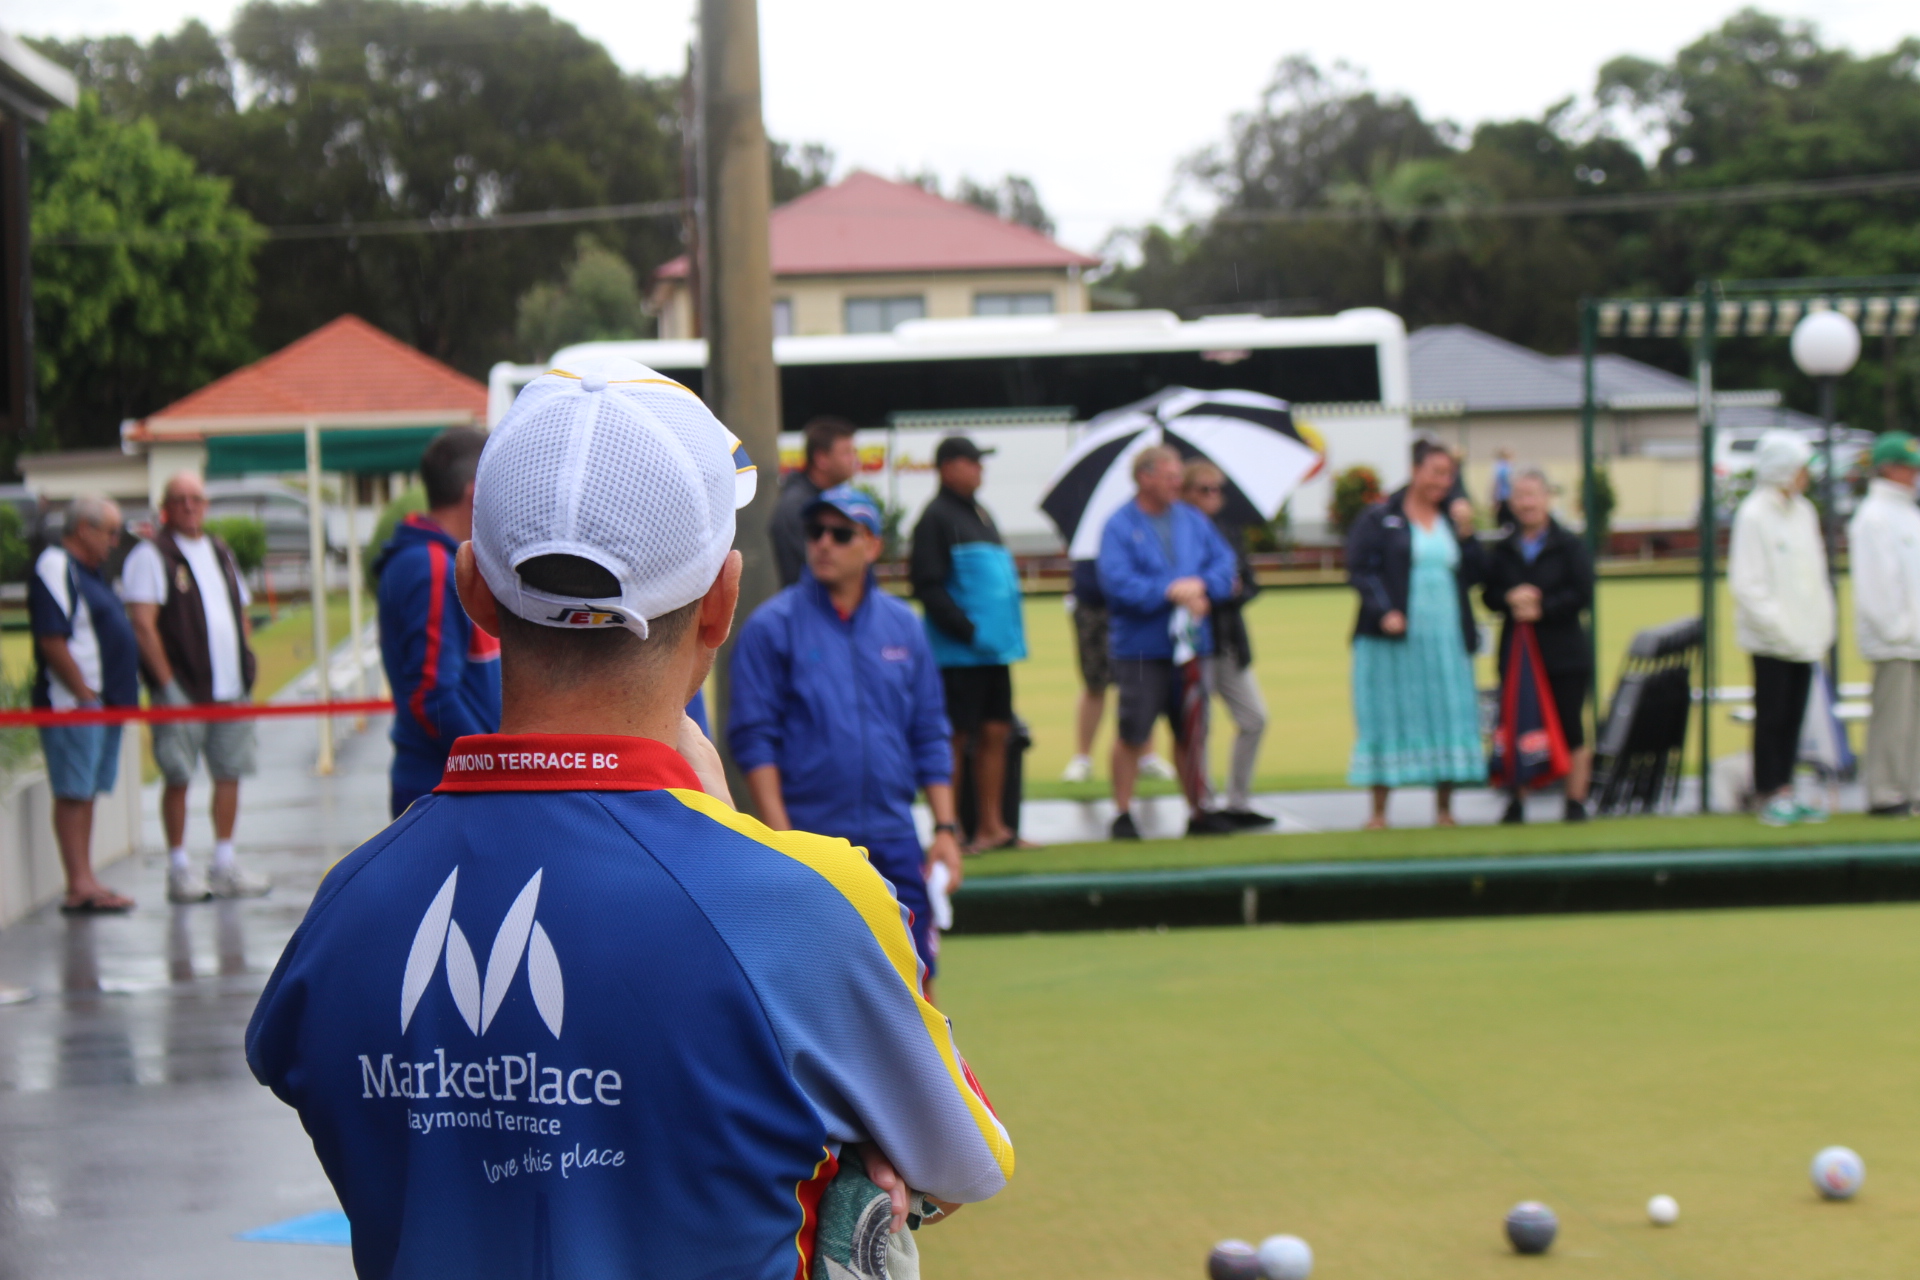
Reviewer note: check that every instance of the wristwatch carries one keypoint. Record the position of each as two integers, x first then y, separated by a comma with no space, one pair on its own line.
951,828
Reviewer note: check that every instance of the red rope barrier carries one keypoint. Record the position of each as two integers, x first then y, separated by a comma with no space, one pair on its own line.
200,712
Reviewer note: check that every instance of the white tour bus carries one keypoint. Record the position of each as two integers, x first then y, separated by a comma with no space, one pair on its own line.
1026,385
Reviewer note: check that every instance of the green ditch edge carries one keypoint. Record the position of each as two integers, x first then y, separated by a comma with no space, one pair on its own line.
1311,892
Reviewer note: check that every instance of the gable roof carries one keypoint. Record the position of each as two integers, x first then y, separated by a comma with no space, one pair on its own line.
867,225
1459,364
346,372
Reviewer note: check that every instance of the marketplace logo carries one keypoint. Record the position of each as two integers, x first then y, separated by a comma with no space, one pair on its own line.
478,996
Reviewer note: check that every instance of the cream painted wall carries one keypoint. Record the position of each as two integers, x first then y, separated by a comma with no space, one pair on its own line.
819,302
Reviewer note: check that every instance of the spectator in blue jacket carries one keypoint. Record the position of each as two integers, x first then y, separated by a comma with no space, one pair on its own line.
1156,554
837,714
443,670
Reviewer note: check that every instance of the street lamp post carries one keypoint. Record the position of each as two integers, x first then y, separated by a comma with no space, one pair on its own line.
1825,345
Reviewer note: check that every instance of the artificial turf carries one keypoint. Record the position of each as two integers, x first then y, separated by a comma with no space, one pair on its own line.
1388,1091
1614,835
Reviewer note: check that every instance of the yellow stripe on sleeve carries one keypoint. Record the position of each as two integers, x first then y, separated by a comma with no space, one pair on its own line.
846,868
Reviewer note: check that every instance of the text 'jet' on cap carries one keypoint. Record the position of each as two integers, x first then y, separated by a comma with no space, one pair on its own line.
608,461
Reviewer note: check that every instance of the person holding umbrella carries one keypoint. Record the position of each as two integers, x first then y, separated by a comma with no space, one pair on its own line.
1160,557
1413,559
1540,573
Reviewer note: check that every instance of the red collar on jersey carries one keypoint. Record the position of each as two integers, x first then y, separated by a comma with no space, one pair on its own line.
564,762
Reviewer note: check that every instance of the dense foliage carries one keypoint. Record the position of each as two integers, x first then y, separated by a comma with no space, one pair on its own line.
123,328
1761,99
245,536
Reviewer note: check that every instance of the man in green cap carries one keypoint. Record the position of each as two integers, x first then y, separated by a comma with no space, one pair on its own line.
1884,546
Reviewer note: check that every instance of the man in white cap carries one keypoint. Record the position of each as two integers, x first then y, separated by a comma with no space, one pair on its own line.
571,1014
1782,614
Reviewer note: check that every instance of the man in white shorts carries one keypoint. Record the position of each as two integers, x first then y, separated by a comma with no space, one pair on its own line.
188,607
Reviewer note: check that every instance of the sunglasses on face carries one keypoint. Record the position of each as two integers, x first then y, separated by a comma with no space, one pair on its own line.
840,533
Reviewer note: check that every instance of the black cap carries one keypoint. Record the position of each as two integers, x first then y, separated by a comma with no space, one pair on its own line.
958,447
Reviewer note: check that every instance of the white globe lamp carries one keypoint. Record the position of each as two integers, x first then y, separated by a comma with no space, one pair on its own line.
1825,344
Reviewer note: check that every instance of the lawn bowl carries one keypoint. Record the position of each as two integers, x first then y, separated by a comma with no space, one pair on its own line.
1233,1260
1285,1258
1838,1172
1531,1227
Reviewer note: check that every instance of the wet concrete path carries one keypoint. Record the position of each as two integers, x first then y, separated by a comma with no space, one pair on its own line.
134,1142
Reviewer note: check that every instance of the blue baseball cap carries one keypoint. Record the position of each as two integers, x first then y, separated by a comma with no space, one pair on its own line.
851,503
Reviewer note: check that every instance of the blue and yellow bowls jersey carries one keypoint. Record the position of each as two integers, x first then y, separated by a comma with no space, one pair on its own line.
571,1017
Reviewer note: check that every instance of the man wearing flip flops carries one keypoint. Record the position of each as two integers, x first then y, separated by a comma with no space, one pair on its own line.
87,659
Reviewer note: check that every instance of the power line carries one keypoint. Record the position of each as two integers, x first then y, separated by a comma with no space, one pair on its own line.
403,227
1625,202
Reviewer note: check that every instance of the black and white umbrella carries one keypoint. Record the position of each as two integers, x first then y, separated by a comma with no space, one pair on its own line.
1252,438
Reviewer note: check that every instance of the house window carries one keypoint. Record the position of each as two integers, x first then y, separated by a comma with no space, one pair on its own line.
1013,304
783,317
880,315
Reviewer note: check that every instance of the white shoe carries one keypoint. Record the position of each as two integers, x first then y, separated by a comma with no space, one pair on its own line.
1155,765
231,882
1079,769
184,885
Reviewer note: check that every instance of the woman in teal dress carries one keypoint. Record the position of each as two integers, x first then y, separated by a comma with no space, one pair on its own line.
1413,558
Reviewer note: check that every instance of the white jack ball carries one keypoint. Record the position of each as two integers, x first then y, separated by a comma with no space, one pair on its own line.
1663,1211
1285,1258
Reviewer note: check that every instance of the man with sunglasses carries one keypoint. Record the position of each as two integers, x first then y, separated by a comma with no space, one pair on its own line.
837,715
188,607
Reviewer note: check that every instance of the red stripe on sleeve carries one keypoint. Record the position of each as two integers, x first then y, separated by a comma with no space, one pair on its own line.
430,677
809,1193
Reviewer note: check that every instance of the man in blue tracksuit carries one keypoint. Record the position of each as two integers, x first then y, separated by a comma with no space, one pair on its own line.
837,715
443,670
1157,554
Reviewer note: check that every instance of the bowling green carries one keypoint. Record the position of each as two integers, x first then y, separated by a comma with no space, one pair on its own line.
1387,1091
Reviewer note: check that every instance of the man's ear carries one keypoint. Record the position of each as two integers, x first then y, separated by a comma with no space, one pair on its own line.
476,597
717,606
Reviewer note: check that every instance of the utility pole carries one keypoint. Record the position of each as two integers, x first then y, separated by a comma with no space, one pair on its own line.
742,385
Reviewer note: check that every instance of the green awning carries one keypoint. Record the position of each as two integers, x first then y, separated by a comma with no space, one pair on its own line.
357,449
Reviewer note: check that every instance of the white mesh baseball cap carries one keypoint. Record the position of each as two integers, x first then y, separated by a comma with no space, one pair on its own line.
612,462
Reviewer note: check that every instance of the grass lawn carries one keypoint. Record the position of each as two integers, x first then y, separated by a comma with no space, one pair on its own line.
1623,835
1388,1091
1300,644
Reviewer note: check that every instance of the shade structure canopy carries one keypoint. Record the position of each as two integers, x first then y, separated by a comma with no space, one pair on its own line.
1252,438
341,449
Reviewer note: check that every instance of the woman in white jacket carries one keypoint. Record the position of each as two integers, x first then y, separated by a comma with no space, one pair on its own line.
1883,543
1783,614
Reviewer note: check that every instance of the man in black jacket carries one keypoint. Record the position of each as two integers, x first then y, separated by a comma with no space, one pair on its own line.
831,460
1540,572
966,581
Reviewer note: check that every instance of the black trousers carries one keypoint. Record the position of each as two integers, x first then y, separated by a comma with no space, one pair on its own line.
1779,704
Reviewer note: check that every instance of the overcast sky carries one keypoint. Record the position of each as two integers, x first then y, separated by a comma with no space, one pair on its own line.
1097,103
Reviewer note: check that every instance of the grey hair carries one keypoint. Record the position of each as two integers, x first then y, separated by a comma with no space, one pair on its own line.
1533,471
95,509
1152,456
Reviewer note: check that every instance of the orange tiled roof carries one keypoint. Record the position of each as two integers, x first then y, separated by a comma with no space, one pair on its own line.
344,367
865,224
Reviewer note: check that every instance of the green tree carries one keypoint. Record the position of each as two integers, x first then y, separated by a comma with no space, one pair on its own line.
378,110
1013,198
245,536
122,328
798,169
599,299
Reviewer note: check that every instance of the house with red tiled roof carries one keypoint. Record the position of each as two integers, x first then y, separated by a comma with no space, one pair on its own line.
865,254
371,400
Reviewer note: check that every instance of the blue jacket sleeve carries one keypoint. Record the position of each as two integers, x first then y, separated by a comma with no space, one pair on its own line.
1217,565
1125,574
1363,562
431,683
759,674
931,734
